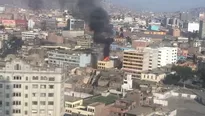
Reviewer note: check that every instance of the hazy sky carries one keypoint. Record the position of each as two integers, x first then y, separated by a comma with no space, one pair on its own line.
161,5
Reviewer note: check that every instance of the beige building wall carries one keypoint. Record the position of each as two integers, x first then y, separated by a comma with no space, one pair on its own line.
135,61
153,77
26,90
105,64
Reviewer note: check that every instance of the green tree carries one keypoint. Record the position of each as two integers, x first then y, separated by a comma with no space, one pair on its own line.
171,79
183,72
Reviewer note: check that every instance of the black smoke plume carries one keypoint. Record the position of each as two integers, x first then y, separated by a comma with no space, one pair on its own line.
98,20
35,4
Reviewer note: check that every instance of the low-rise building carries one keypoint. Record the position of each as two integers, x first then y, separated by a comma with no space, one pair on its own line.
64,58
155,32
105,64
74,107
121,106
29,35
155,75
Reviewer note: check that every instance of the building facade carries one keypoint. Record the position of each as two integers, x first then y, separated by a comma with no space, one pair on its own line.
105,64
167,55
135,61
26,90
29,35
202,29
65,58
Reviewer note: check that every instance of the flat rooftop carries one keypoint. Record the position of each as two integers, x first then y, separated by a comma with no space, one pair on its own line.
183,104
96,104
71,99
106,100
140,110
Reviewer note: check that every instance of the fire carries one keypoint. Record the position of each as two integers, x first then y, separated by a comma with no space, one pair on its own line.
106,59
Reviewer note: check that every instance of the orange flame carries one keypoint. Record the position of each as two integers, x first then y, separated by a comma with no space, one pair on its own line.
106,59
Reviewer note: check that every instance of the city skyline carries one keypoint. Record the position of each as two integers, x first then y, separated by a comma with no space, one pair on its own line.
160,5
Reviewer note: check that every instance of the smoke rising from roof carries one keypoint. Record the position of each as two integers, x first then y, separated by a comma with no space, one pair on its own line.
98,20
35,4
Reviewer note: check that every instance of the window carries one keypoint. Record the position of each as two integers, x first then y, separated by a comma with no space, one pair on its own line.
43,95
26,87
34,103
26,104
7,103
34,94
7,87
16,102
51,79
7,95
51,86
17,86
43,86
17,67
26,78
7,112
16,111
17,94
35,78
43,78
42,103
50,103
17,78
0,103
26,95
1,85
25,112
35,86
50,94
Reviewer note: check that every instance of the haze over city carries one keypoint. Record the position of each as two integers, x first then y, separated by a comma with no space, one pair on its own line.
161,5
102,58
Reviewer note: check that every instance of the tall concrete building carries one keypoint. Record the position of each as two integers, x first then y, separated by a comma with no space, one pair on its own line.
167,55
137,61
27,90
202,29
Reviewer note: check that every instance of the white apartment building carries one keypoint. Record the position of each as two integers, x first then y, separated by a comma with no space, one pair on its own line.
29,35
26,90
3,36
167,55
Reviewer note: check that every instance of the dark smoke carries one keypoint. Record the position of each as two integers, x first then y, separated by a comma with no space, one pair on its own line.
35,4
98,21
62,3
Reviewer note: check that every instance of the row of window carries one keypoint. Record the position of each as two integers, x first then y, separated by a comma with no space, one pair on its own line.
42,103
42,94
18,111
35,86
43,78
35,78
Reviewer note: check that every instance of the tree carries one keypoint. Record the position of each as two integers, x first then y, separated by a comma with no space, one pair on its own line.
171,79
183,72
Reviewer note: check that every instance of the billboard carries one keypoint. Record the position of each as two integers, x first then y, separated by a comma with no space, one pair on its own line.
193,27
9,23
154,28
